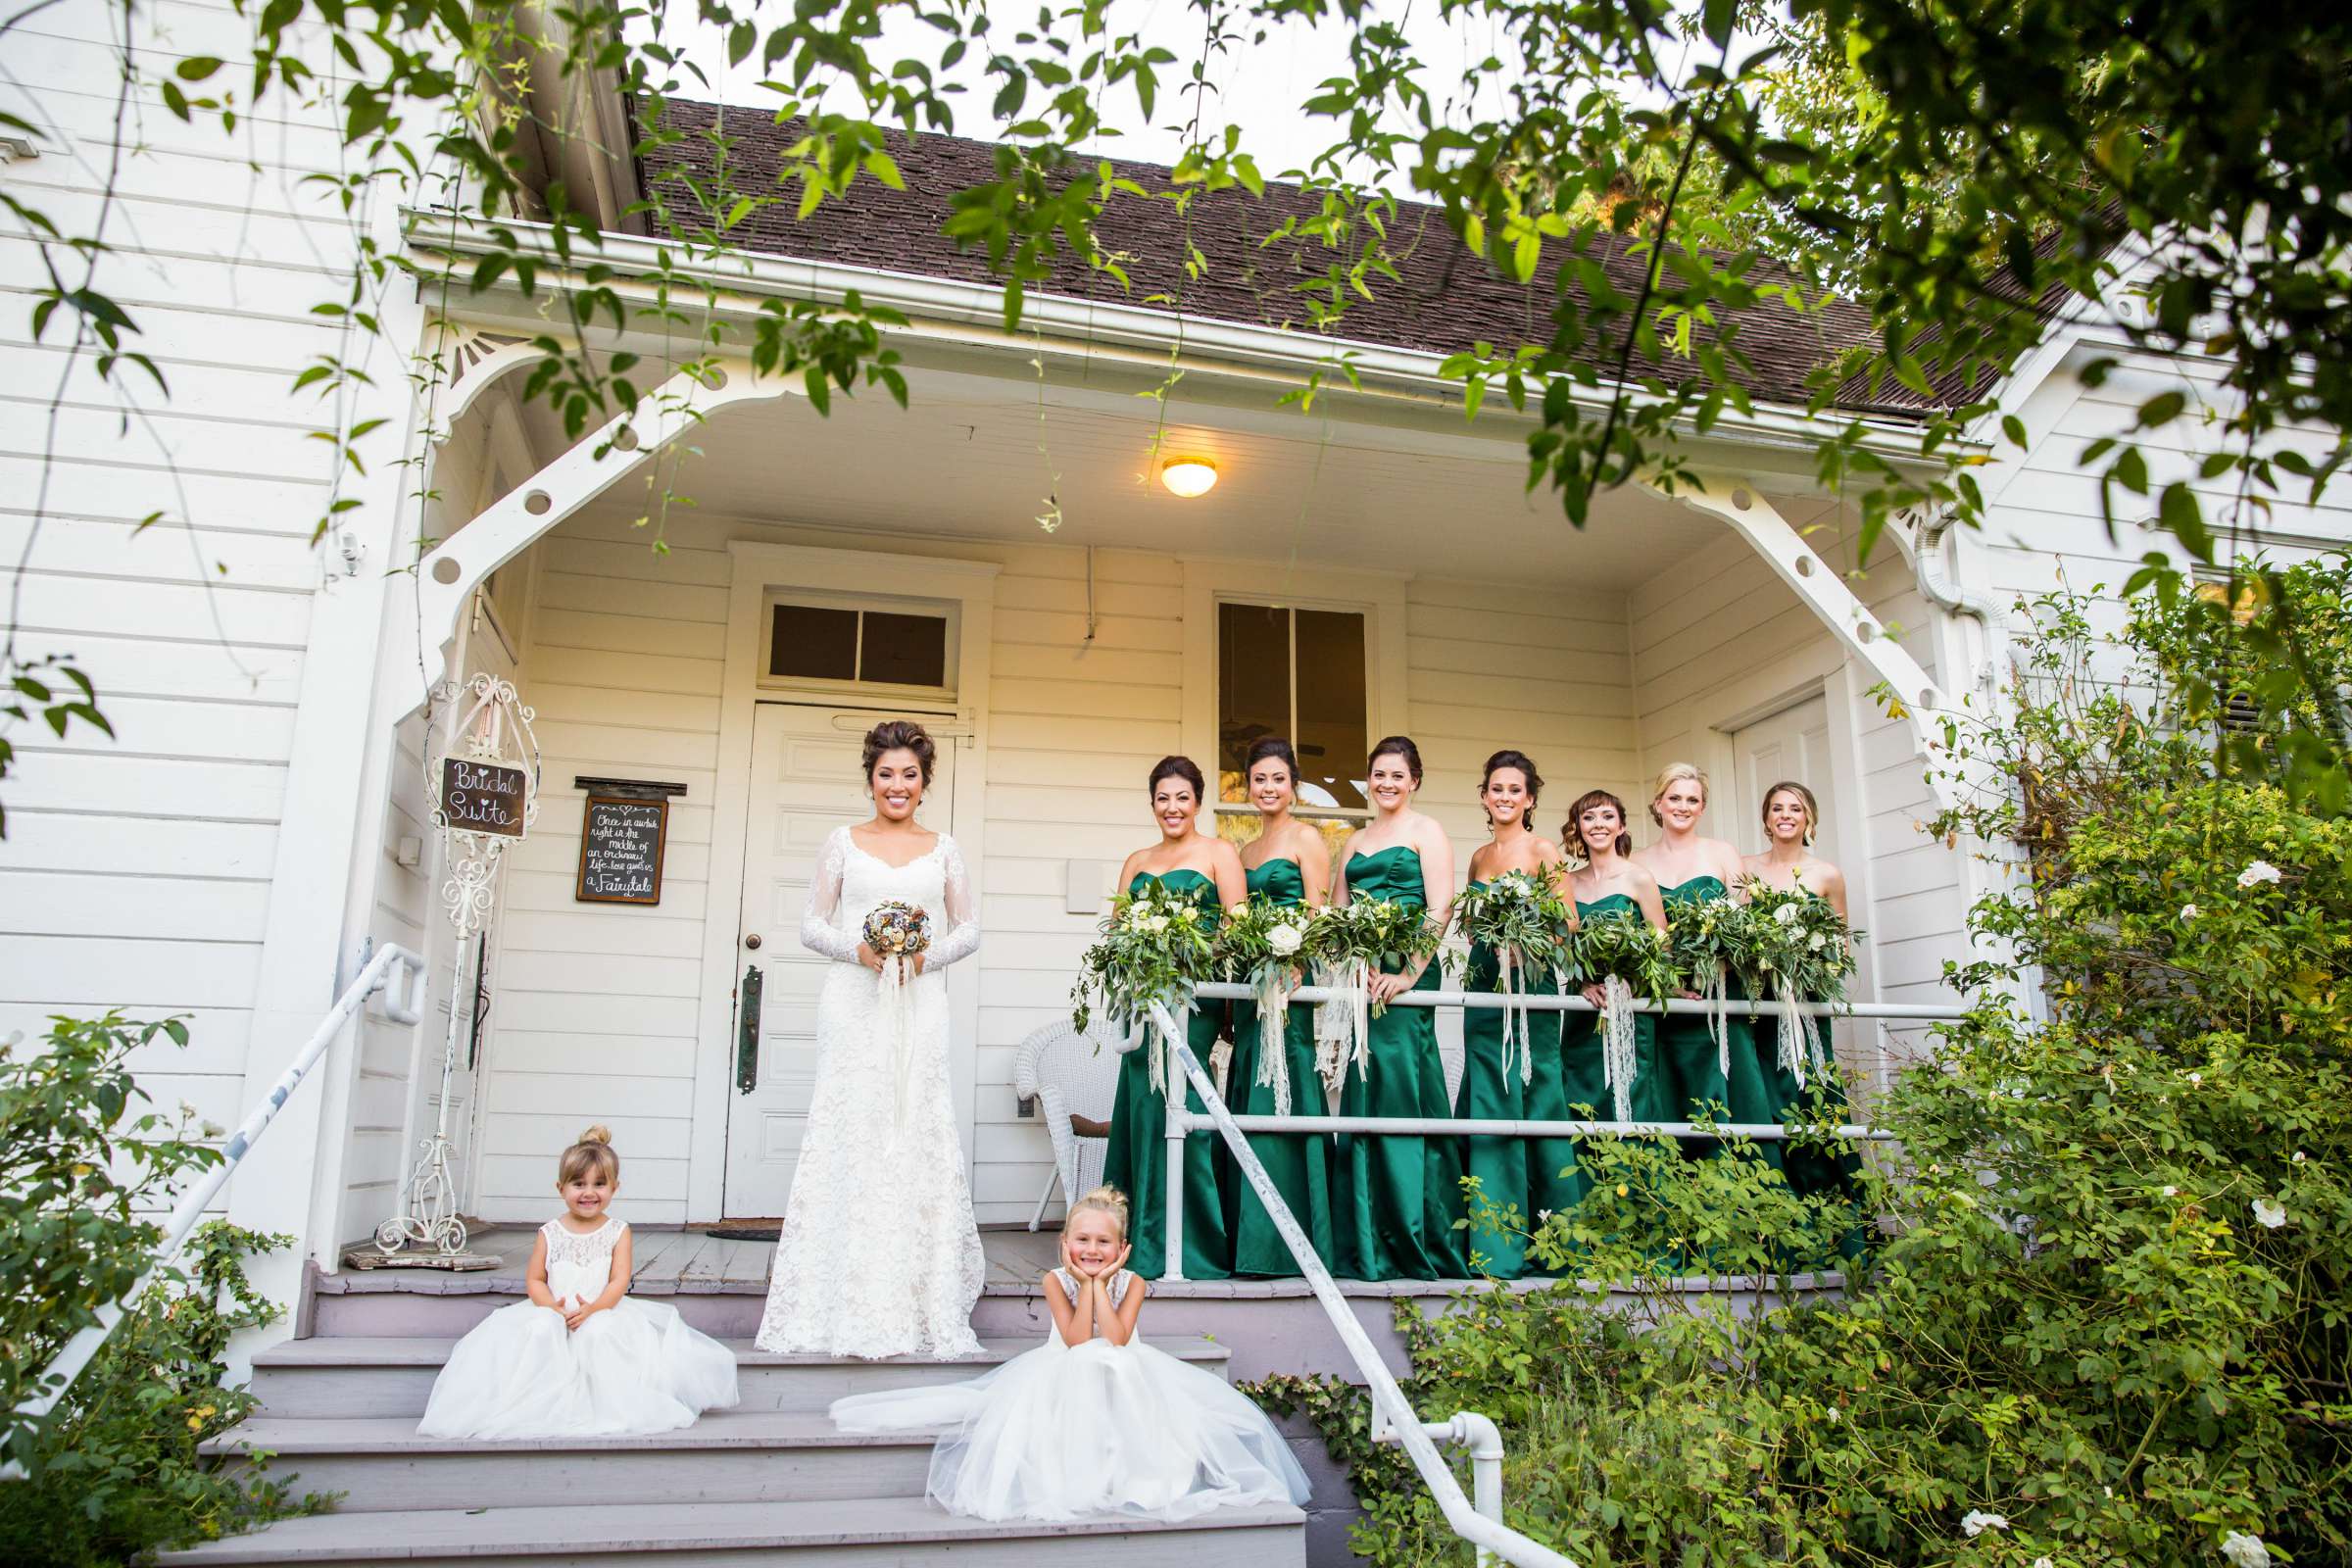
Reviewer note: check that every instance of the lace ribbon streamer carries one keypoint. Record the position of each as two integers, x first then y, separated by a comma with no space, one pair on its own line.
1618,1062
1343,1024
897,1019
1510,978
1800,1035
1273,986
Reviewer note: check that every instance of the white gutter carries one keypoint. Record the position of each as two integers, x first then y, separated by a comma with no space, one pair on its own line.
1097,326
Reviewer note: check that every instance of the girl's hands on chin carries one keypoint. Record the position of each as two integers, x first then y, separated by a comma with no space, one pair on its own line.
1119,1263
1069,1260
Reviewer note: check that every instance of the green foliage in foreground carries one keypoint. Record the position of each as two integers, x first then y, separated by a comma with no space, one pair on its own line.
2110,1314
116,1471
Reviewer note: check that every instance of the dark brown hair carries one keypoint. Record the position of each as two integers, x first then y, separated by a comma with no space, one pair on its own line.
1527,770
1276,748
1398,746
1572,831
1812,809
1183,767
900,735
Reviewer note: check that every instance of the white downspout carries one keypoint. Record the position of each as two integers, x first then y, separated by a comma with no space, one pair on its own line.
1940,586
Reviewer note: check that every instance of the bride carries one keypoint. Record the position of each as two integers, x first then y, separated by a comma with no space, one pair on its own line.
881,1142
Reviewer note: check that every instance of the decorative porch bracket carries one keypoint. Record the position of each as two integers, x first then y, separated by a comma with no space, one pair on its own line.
1742,504
447,577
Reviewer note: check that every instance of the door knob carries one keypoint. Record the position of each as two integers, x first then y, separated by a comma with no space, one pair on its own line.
752,941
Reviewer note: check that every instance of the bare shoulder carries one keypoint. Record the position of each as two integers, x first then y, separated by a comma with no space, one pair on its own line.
1223,855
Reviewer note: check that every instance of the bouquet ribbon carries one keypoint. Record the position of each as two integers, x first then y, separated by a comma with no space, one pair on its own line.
1800,1035
1618,1060
1273,986
1510,978
897,1019
1714,990
1343,1024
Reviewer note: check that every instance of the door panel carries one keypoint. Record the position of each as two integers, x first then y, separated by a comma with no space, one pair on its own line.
1792,744
804,783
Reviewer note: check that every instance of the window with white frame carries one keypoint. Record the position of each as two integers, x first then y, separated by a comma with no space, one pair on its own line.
1301,674
814,641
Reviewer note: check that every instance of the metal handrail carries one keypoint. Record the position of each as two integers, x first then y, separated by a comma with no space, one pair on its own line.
1553,1001
189,1210
1394,1417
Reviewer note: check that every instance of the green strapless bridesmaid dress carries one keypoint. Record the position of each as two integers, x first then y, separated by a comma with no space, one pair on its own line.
1813,1168
1492,1088
1136,1160
1299,1163
1399,1198
1581,1053
1696,1079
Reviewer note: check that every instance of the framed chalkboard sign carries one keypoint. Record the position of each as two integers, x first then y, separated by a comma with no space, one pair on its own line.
621,839
479,797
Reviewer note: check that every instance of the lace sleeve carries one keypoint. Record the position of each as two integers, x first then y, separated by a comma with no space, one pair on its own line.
964,932
818,933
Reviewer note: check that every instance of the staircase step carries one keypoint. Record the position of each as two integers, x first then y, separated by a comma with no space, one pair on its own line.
377,1376
848,1532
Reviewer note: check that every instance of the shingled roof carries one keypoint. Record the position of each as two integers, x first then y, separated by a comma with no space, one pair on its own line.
1447,299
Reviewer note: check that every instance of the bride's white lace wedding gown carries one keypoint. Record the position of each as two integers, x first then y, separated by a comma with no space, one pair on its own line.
879,1253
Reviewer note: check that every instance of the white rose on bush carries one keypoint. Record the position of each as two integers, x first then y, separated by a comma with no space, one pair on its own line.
1979,1521
2245,1552
2257,871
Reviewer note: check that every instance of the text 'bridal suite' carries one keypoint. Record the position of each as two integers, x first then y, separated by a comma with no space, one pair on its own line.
879,1255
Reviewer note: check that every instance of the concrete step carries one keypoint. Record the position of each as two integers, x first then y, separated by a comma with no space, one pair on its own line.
380,1465
350,1376
446,1308
851,1532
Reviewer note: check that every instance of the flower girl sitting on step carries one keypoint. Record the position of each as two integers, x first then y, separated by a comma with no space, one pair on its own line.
581,1357
1094,1421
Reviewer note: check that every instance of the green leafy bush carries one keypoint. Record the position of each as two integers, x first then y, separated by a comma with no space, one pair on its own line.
115,1470
2109,1316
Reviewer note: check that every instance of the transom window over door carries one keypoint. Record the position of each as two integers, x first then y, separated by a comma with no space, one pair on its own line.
903,647
1301,674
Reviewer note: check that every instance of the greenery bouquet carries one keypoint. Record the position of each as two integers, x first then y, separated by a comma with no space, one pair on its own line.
1349,943
1622,954
1155,945
1526,923
1798,950
1263,946
1712,941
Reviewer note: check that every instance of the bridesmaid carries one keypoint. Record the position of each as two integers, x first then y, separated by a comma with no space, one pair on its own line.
1289,863
1791,822
1206,870
1491,1086
1398,1196
1610,880
1694,869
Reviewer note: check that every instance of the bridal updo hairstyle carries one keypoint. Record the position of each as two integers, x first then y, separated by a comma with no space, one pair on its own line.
900,735
1573,830
1276,748
1183,767
1669,776
1527,770
1103,1201
1398,746
593,1154
1812,809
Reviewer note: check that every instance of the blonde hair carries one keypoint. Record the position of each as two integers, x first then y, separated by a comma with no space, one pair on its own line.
593,1152
1103,1201
1670,776
1812,808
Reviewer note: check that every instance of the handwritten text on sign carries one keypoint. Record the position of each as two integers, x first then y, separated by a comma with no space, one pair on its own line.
482,797
621,850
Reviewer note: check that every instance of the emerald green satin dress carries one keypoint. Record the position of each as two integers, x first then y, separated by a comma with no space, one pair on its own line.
1814,1169
1493,1089
1693,1067
1398,1196
1299,1163
1580,1070
1136,1161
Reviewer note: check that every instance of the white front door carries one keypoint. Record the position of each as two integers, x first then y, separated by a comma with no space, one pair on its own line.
1791,744
804,783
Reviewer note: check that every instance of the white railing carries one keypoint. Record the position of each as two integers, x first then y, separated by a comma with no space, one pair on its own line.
400,1007
1479,1521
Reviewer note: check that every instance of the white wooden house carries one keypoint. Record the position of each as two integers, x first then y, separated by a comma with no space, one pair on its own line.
259,817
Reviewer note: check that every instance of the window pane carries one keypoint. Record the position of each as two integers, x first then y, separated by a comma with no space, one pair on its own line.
1331,737
905,649
1253,687
814,643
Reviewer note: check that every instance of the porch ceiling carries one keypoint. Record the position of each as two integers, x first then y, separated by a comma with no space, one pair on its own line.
964,462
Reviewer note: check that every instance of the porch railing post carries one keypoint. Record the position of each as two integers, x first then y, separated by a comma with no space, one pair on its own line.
1179,1123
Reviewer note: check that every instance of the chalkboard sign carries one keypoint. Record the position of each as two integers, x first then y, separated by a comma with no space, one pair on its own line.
483,797
621,839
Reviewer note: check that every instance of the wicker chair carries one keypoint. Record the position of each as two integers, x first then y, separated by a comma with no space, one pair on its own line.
1069,1073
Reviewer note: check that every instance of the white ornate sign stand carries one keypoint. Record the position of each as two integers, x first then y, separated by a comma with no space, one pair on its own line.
484,787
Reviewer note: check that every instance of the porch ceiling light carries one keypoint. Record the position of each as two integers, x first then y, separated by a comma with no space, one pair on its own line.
1188,477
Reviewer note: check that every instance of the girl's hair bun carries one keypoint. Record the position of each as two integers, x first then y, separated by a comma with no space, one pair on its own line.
1105,1200
598,1133
593,1152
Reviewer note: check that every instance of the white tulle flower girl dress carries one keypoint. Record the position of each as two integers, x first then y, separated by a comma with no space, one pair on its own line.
635,1367
1067,1432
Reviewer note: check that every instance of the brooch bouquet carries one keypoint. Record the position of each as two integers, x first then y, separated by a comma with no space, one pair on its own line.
1349,943
1264,947
1622,954
1803,950
1525,923
1155,946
